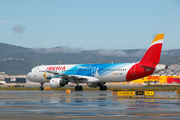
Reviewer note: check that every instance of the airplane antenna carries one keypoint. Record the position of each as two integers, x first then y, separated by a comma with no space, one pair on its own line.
60,62
112,62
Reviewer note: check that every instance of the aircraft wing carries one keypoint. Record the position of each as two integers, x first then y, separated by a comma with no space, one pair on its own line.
75,77
65,76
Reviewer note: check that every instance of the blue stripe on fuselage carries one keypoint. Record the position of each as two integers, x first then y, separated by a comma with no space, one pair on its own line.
91,69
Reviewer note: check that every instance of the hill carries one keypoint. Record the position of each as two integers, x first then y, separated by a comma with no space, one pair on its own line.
15,60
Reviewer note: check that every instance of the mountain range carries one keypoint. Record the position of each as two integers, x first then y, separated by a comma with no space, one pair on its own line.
16,60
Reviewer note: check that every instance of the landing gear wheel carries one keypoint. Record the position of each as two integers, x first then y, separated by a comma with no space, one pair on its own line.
41,88
78,88
103,88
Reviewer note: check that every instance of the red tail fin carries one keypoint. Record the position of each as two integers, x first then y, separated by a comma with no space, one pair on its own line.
152,55
148,63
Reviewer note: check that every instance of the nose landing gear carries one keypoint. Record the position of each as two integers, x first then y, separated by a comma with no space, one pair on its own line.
41,88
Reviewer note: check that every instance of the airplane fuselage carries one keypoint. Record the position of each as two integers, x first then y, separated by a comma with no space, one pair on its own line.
115,72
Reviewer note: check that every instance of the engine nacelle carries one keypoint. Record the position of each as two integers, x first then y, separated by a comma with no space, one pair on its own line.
93,85
58,82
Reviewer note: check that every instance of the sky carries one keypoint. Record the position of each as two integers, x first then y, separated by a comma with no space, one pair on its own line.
89,24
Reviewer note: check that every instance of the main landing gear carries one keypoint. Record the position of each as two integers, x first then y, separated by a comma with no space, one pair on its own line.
78,88
41,88
103,88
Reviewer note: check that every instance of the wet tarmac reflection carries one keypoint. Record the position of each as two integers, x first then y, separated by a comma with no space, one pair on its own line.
84,105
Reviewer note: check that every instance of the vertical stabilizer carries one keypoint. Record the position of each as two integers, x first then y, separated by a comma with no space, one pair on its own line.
149,64
152,55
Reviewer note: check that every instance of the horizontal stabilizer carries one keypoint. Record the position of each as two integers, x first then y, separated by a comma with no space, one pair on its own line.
149,67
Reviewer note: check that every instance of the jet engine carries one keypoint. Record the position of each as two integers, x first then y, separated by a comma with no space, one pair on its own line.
58,82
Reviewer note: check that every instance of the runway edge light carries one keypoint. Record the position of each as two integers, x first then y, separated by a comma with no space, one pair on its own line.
68,91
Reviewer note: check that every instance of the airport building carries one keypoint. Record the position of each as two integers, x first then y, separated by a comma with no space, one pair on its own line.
15,80
18,81
157,80
152,80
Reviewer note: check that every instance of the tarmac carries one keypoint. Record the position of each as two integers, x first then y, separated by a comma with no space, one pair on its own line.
81,105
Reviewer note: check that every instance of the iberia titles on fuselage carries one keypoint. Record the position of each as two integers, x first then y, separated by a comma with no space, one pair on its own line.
96,75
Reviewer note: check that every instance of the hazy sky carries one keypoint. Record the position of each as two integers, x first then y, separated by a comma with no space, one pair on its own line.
89,24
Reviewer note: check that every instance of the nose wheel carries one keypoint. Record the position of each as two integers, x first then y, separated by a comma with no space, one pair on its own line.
41,88
78,88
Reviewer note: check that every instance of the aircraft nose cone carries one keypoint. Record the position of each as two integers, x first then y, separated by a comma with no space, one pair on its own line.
29,76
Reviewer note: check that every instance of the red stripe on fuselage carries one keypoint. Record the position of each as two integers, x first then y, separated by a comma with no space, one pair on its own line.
137,71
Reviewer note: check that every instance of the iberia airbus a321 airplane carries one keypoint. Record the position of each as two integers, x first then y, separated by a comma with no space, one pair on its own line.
96,75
